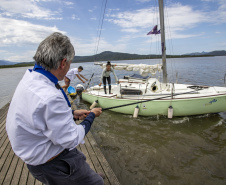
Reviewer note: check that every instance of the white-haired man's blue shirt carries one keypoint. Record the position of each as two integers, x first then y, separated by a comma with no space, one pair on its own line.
39,122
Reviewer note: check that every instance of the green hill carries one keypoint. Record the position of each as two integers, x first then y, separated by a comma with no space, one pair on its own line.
218,53
109,55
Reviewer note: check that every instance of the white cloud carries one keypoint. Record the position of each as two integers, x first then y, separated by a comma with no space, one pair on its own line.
93,18
178,18
26,56
143,1
218,16
92,10
87,47
27,9
181,17
208,0
68,3
113,9
130,30
74,17
22,32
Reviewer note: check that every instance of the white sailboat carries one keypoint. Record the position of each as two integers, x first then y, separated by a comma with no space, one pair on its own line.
149,96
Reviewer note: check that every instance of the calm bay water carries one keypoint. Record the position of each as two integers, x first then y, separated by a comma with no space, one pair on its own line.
147,150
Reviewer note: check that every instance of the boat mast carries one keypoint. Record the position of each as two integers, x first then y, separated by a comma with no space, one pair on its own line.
162,28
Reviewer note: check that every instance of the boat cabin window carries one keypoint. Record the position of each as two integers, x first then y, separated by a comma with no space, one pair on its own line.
130,92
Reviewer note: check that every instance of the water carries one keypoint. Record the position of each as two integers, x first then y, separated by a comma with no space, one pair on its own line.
148,150
9,78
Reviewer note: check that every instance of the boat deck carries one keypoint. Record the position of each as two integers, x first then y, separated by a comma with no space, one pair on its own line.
14,171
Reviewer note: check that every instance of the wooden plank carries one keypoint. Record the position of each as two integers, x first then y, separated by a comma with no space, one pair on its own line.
2,128
18,171
37,182
4,109
4,153
79,147
6,164
3,139
88,159
11,170
96,164
3,148
105,165
3,117
94,161
31,179
24,175
14,171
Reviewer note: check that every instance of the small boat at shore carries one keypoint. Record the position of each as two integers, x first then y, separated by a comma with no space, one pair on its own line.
148,96
156,98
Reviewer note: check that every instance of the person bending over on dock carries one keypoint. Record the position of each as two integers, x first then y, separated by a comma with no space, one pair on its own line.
71,75
40,123
106,76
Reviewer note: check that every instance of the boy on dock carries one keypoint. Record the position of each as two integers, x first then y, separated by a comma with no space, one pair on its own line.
40,123
71,75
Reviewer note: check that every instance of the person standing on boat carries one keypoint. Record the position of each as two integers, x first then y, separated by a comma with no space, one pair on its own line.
40,123
71,75
106,76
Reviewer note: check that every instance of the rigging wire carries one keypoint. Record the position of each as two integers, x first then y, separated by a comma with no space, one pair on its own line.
157,37
171,49
100,30
98,35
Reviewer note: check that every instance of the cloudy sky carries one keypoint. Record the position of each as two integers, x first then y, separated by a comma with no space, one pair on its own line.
191,26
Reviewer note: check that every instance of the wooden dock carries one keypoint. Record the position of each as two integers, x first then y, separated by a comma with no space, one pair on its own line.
14,171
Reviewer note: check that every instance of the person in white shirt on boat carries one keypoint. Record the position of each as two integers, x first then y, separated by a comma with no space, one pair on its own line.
106,76
40,123
71,75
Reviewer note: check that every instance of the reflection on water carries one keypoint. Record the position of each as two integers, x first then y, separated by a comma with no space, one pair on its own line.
147,150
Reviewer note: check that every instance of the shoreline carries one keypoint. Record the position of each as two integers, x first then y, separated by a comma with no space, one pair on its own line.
157,57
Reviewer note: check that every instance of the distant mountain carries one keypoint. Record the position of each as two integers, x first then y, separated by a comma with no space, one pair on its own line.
109,55
197,53
218,53
5,62
213,53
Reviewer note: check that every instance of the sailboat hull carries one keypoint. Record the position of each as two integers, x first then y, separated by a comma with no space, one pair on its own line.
181,107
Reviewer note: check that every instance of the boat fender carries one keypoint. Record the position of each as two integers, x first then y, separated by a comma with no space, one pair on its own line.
94,104
136,111
170,112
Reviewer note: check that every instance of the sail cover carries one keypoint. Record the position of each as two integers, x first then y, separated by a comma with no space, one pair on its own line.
154,31
143,69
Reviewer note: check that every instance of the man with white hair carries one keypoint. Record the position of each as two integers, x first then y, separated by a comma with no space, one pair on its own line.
40,123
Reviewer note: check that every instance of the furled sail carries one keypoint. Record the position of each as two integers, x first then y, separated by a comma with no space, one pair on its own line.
143,69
